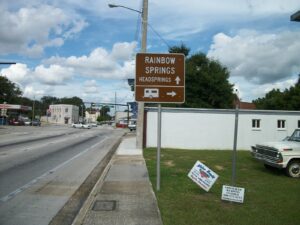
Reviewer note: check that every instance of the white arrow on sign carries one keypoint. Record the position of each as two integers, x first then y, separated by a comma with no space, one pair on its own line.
177,80
173,93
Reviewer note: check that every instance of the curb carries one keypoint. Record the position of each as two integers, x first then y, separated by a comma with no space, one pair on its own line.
87,204
75,208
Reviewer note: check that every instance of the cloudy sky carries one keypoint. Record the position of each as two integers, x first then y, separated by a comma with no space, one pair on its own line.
84,48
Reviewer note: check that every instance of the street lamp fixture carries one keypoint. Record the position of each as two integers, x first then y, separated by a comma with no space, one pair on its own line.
7,63
296,17
121,6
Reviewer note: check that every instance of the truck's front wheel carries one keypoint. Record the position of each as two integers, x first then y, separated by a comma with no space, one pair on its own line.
293,169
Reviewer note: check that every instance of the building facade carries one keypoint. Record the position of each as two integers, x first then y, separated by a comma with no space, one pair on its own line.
63,114
91,117
214,128
11,112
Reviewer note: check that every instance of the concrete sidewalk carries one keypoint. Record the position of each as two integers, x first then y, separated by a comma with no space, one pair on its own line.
124,195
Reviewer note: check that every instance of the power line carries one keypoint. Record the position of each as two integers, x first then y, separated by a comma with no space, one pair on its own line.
161,38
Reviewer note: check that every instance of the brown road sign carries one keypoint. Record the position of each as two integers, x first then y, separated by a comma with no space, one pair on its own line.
160,78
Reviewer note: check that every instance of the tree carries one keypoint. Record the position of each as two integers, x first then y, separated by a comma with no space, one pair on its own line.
71,101
206,81
104,114
273,100
207,84
289,99
23,101
180,49
9,91
46,101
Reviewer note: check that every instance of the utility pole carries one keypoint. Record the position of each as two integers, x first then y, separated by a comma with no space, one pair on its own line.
115,104
140,116
82,116
33,105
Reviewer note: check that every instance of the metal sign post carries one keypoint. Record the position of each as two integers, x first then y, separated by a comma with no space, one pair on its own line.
158,147
236,124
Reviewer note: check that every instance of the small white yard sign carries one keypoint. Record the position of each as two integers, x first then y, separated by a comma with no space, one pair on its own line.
203,176
233,194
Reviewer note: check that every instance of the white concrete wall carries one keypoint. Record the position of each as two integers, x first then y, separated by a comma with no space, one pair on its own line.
214,129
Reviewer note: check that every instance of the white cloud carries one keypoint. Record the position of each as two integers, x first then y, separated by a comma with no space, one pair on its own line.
26,79
249,91
265,88
123,51
53,75
34,92
18,73
100,63
91,87
179,19
259,58
30,30
62,76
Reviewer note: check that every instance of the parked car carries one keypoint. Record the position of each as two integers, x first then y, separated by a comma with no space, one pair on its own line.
77,125
27,122
16,122
94,124
283,154
36,122
86,126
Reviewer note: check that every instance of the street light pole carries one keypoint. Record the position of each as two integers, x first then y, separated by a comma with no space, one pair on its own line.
140,116
236,125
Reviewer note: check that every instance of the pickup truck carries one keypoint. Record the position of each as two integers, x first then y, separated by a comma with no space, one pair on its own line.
283,154
132,124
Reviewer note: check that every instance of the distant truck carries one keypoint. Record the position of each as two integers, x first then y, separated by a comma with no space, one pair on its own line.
132,124
283,154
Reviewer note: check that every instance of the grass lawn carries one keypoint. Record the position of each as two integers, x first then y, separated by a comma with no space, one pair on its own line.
271,198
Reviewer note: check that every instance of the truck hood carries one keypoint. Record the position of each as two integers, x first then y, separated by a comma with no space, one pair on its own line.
280,145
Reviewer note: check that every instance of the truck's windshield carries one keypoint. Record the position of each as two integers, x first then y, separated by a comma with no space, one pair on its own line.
295,136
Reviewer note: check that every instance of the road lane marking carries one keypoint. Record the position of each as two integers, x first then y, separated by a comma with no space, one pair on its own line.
29,184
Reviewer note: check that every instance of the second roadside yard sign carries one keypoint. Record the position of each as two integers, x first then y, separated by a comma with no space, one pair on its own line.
160,78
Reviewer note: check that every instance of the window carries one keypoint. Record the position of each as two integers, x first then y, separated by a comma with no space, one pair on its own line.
66,110
298,123
255,123
281,124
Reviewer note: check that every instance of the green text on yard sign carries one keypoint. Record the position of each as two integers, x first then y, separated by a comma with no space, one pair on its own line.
160,78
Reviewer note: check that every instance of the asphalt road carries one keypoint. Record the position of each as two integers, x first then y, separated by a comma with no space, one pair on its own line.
42,167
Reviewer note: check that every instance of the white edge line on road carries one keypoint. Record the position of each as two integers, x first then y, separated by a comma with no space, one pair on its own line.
29,184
